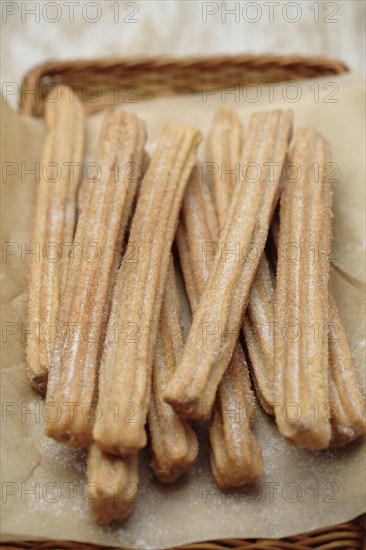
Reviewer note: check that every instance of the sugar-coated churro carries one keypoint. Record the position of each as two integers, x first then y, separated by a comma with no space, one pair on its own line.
174,444
217,319
53,228
347,403
236,457
258,330
125,376
346,408
274,236
301,304
85,302
235,454
115,483
223,149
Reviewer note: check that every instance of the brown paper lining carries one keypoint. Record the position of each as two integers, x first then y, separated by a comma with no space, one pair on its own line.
300,490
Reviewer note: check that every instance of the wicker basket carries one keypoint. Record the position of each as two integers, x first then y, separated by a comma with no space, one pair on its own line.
102,83
348,536
168,76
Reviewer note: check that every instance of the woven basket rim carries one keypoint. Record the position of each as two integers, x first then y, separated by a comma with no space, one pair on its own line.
353,533
166,68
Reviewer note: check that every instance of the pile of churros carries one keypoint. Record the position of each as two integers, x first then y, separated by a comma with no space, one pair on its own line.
248,228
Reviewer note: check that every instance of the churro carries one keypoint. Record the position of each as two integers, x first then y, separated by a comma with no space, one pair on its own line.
258,330
114,480
235,454
347,403
236,457
85,302
217,319
274,236
53,230
346,408
301,304
125,376
223,149
174,444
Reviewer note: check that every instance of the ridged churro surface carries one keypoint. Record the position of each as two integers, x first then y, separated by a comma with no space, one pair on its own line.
347,403
258,330
174,444
115,482
301,305
125,379
217,319
235,454
223,150
346,408
53,230
236,457
85,302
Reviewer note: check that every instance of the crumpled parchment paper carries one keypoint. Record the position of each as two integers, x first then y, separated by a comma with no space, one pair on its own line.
44,493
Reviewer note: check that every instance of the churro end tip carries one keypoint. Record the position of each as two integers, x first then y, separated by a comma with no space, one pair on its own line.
107,511
39,383
239,477
70,438
118,447
174,472
308,438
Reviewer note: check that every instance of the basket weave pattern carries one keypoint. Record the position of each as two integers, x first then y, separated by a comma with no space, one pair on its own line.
348,536
119,80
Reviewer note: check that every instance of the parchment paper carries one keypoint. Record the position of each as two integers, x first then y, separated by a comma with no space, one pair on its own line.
300,490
